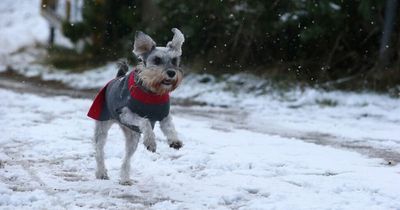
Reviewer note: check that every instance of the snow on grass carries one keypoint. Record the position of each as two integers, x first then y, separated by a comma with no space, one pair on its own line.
368,118
21,25
49,163
92,79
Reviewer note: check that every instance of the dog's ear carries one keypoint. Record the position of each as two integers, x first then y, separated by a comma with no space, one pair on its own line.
176,43
143,44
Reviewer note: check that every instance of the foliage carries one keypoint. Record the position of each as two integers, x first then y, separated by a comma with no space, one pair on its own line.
315,41
107,26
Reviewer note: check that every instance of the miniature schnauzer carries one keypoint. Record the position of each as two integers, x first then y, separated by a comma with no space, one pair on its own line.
137,100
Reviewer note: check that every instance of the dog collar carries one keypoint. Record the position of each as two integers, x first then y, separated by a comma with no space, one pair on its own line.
141,95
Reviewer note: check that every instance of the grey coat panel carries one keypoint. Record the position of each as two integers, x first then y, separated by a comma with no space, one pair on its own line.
117,96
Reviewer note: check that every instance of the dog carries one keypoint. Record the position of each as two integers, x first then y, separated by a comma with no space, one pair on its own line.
137,100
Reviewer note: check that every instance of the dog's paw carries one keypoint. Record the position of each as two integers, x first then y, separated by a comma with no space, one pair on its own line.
126,182
176,144
150,145
151,148
102,175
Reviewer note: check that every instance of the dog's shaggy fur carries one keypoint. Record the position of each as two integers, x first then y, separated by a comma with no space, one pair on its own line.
159,73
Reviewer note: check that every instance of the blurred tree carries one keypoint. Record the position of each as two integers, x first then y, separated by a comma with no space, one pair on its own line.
48,8
390,15
107,26
318,40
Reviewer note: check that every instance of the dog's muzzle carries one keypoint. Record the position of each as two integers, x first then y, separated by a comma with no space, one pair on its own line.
171,73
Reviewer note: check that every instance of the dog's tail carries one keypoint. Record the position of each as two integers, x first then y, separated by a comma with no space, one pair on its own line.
123,67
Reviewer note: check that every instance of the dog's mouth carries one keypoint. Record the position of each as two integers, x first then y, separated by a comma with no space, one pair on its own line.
167,82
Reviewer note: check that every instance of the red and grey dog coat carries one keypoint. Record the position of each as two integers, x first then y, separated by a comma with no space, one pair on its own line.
127,92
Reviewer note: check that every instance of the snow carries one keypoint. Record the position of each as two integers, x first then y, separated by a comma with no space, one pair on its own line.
50,164
246,149
288,16
21,25
298,110
91,79
334,6
362,118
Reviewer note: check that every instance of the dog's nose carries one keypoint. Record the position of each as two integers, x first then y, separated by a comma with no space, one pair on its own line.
171,73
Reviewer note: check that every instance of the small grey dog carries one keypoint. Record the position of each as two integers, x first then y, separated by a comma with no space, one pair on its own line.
138,99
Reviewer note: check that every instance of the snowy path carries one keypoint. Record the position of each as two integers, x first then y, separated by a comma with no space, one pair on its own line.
354,133
47,162
254,160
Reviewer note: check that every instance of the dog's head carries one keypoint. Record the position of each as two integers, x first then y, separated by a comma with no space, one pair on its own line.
159,69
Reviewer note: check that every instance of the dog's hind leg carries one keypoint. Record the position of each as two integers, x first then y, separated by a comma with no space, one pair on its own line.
131,142
100,137
168,128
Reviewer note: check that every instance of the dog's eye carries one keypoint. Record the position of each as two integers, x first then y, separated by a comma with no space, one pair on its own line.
157,60
174,61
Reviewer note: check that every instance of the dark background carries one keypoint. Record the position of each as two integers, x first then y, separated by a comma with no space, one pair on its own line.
329,43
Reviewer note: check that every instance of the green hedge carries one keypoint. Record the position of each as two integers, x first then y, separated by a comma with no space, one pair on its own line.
315,41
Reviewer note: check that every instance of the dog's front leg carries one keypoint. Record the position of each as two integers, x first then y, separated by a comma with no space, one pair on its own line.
168,128
149,138
131,119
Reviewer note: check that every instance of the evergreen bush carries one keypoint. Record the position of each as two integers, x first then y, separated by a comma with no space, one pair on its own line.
318,41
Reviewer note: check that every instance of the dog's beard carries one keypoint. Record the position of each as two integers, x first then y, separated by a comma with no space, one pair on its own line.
155,80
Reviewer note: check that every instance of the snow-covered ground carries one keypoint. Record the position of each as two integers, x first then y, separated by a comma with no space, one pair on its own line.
251,155
21,25
359,119
47,162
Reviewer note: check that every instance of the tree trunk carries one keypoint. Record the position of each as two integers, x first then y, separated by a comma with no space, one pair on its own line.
390,14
